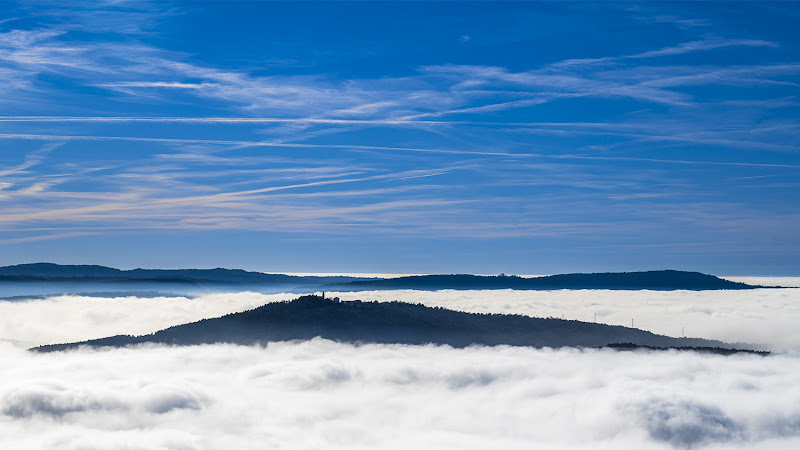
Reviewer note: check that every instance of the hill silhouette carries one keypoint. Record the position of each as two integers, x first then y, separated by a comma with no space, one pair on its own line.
93,273
654,280
219,278
389,323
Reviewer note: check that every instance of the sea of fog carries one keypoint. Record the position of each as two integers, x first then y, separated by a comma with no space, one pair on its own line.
767,317
321,394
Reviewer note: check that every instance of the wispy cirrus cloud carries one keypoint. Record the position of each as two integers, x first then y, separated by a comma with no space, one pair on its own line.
675,20
31,159
158,134
749,76
286,145
45,237
148,70
680,49
704,45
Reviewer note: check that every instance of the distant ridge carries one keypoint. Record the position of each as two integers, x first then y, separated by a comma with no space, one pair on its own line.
655,280
391,323
85,273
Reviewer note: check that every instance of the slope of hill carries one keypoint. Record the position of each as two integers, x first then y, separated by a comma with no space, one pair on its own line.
654,280
394,322
49,279
87,273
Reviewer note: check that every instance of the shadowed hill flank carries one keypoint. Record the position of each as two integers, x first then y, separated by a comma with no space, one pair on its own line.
393,322
654,280
86,273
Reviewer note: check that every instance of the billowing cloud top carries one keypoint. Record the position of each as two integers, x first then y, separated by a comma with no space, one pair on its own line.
318,394
764,316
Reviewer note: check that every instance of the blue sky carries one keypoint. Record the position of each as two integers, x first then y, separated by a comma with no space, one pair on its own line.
486,137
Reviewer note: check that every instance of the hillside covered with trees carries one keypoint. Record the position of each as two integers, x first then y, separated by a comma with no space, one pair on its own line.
391,322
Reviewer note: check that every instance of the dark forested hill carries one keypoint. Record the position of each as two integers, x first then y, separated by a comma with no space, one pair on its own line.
88,273
88,278
395,322
655,280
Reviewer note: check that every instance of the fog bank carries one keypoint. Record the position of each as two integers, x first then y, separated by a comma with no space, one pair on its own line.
70,318
760,316
319,394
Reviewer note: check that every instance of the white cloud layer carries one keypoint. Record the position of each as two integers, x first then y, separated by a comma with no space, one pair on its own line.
73,318
764,316
768,281
319,394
